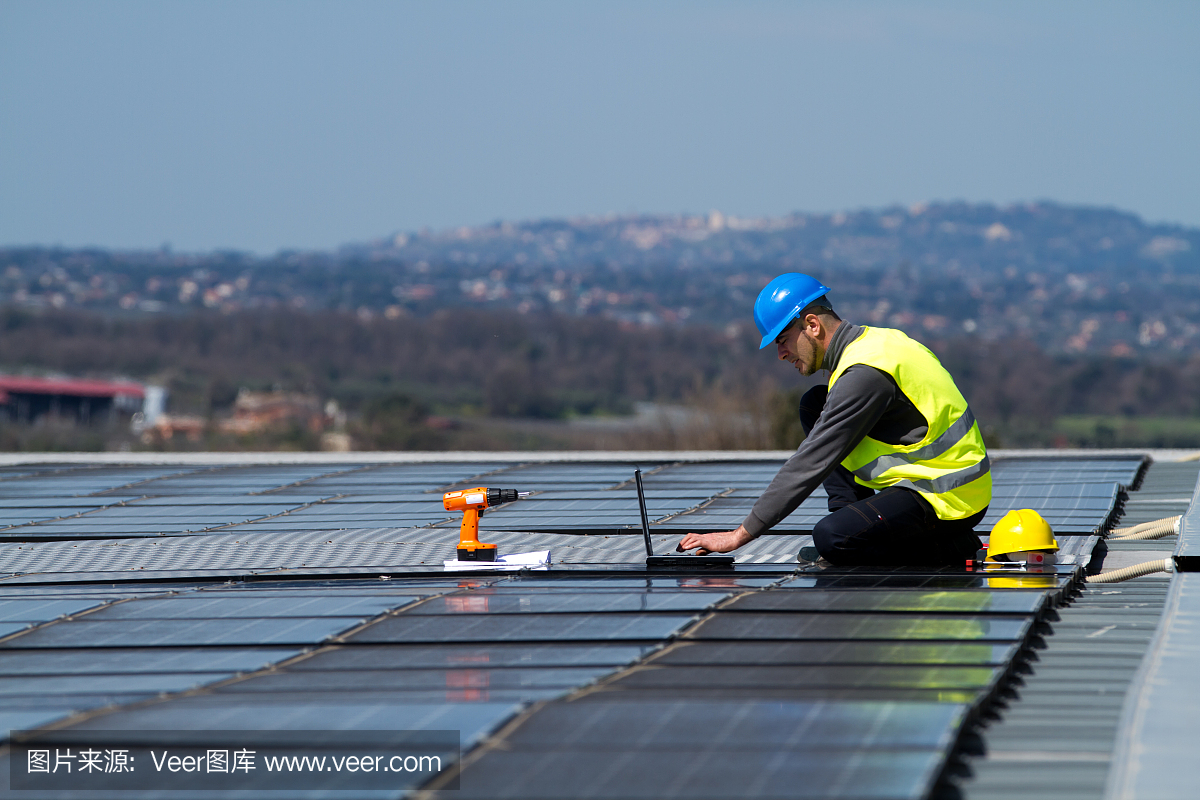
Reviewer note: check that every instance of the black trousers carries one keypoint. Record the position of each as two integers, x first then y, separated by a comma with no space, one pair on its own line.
894,527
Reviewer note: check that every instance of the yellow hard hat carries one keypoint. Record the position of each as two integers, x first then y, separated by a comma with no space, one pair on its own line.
1022,582
1020,531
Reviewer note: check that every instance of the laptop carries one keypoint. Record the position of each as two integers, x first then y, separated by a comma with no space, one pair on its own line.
674,559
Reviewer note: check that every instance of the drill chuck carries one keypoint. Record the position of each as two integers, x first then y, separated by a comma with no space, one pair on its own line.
497,496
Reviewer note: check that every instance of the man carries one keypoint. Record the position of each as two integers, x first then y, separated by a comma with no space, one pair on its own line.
891,438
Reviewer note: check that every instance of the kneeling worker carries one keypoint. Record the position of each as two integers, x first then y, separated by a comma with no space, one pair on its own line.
891,438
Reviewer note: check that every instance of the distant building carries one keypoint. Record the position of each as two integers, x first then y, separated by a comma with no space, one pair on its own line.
253,412
166,426
27,400
257,411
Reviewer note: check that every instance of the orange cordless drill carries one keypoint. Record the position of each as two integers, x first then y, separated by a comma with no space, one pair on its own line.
472,502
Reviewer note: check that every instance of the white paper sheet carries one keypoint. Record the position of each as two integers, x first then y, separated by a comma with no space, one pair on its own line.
539,559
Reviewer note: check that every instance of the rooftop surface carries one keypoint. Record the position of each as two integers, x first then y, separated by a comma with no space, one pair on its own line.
239,603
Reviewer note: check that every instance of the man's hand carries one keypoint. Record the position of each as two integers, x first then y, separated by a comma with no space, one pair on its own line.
722,542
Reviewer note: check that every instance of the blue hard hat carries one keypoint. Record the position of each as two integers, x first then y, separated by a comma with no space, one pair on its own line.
782,300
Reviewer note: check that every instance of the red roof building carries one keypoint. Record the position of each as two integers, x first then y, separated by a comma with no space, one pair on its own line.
26,399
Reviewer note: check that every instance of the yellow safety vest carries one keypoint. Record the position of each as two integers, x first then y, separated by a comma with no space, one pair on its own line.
949,467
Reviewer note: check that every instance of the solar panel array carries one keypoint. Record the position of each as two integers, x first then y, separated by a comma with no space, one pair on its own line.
313,598
192,522
772,662
797,689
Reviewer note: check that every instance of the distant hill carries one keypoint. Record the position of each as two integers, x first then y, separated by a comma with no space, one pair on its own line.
1073,279
1058,238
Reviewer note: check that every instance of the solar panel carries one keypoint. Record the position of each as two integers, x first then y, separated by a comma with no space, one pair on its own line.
17,518
282,587
24,720
648,582
400,697
61,591
844,579
276,711
219,552
385,479
85,481
222,510
714,725
485,655
541,477
135,523
1068,507
142,683
1011,493
75,504
859,626
346,586
994,602
9,628
85,660
623,497
466,677
329,523
701,653
703,773
524,628
706,679
151,633
236,479
252,607
41,610
477,602
362,507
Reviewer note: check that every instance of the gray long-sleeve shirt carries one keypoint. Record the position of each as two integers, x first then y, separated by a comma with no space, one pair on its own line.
864,401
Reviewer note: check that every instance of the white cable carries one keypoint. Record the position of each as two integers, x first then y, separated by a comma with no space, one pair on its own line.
1157,529
1136,571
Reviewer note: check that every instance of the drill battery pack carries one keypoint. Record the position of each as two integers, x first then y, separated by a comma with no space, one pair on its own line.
483,553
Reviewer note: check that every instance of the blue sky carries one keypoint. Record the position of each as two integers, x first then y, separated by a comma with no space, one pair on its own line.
266,125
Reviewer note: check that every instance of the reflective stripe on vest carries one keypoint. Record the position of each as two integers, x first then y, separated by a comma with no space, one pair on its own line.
952,481
960,428
949,467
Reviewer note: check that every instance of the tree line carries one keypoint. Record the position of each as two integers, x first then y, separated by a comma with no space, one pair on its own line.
391,375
